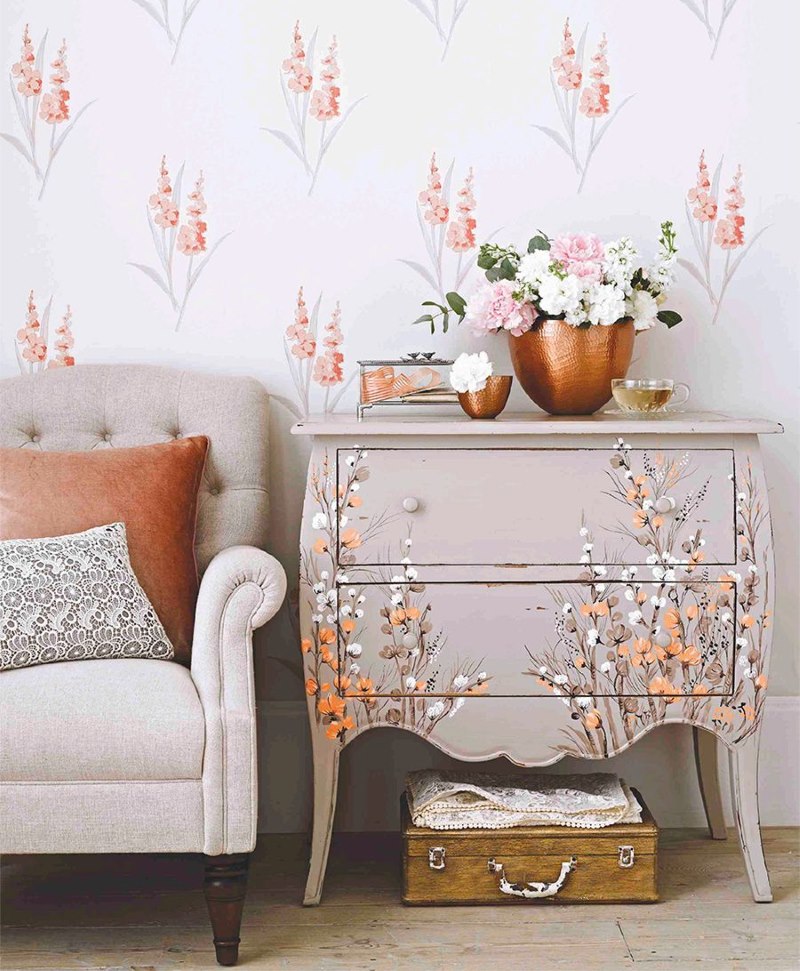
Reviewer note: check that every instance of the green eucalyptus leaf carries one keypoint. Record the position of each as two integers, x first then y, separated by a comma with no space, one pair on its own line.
457,303
445,321
424,319
669,317
486,262
493,275
538,242
507,270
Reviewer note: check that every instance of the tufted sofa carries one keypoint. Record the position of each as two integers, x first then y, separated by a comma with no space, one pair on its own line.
145,756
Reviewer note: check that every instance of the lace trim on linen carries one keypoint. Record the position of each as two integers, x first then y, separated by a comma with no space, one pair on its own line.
478,800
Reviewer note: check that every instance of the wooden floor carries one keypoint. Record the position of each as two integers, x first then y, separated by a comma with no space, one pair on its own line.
147,914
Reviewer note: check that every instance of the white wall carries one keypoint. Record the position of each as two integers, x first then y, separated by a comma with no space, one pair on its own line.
477,107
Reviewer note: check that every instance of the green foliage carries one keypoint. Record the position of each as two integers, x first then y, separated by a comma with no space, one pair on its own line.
538,242
669,317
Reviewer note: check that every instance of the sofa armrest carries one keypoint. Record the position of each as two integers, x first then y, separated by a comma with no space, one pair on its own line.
241,589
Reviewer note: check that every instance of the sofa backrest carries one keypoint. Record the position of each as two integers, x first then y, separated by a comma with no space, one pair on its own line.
120,405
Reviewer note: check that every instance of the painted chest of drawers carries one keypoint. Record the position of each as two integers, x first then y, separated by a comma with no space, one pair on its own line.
536,588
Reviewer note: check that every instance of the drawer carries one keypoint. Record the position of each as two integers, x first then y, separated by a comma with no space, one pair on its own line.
518,506
574,640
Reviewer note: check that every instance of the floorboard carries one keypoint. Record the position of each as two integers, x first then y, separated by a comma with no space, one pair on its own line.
147,913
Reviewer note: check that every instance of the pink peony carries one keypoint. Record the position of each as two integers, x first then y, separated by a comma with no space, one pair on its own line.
581,254
493,308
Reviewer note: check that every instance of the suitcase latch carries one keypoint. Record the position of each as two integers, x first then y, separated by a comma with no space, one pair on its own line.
436,855
627,857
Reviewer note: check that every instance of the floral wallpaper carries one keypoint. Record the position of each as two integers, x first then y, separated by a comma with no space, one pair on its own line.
273,190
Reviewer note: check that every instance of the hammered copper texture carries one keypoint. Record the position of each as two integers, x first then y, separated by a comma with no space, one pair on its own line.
489,402
568,370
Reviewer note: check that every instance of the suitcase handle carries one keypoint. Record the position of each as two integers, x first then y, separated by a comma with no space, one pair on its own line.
532,891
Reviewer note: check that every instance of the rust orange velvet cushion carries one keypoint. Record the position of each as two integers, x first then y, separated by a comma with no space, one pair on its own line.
152,489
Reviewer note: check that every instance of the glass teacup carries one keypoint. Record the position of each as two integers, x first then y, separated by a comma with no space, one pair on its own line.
644,396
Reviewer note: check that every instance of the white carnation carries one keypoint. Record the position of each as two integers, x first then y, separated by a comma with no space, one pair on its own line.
534,267
558,297
470,371
606,304
661,273
643,307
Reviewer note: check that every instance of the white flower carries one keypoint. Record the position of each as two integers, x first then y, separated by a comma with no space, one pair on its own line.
345,610
753,568
566,609
460,681
354,487
350,460
726,618
482,676
561,679
316,618
592,635
599,571
583,701
355,669
748,673
411,684
397,599
642,306
359,614
543,670
407,542
633,570
606,304
470,371
342,578
436,710
647,504
620,262
629,594
585,558
324,574
741,496
406,560
599,587
651,559
562,297
330,619
457,705
635,617
605,667
319,520
661,273
588,547
411,573
343,520
354,650
584,531
743,662
361,599
397,580
534,267
658,601
351,592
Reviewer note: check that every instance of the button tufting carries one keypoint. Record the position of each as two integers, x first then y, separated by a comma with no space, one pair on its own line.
35,438
214,491
107,437
178,435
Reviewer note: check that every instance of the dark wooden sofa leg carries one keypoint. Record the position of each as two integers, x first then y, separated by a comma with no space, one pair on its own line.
225,886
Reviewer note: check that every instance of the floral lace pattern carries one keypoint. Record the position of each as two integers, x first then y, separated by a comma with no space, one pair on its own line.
478,800
71,598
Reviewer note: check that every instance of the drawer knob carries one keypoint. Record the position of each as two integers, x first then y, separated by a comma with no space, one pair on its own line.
665,504
410,504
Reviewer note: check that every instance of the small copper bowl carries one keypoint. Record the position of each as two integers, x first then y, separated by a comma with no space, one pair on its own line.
489,402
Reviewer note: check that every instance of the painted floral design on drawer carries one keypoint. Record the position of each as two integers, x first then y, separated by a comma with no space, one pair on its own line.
416,684
626,647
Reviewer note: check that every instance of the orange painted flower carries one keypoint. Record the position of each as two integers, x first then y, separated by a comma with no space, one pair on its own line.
692,611
722,714
592,719
397,617
320,546
690,655
348,625
336,727
327,635
640,518
354,501
599,609
364,687
333,705
311,686
341,682
580,662
749,712
700,689
412,613
672,620
747,621
664,687
305,645
350,538
761,681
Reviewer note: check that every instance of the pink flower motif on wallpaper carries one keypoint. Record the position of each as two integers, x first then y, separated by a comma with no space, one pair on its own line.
303,102
716,224
445,227
34,104
443,23
30,343
313,359
581,92
173,277
714,25
172,26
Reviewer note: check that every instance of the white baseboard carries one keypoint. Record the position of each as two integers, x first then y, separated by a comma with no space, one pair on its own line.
374,766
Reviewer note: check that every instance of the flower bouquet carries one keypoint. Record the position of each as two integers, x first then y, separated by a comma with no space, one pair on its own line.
571,306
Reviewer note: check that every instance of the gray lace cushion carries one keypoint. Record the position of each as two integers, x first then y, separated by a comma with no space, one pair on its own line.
71,598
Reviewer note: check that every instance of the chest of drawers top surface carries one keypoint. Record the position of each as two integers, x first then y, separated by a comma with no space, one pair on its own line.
538,423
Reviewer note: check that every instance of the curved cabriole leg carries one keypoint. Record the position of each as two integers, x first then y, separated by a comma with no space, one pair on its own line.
744,792
326,782
225,886
705,757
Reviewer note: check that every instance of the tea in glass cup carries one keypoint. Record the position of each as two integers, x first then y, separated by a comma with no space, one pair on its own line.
643,396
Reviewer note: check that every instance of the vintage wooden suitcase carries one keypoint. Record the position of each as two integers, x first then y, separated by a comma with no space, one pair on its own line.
617,864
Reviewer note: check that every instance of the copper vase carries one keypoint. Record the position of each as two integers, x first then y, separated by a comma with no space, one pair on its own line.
489,402
568,370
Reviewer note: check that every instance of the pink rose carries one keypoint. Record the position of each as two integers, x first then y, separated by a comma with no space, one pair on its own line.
581,254
493,308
